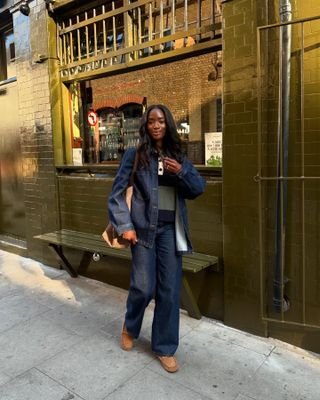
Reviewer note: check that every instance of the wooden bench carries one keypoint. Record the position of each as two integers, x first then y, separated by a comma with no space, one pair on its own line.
93,247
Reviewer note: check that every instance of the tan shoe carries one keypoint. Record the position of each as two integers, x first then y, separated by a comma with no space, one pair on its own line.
169,363
126,341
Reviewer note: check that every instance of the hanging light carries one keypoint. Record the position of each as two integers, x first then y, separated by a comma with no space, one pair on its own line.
24,8
49,4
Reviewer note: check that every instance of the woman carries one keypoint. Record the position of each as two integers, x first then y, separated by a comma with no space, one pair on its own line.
157,228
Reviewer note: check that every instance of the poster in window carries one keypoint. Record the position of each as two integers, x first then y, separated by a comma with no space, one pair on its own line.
213,149
77,156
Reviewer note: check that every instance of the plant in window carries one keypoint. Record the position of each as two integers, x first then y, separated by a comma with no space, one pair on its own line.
214,161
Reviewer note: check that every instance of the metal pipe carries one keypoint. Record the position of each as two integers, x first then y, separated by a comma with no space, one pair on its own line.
261,265
259,178
303,219
280,301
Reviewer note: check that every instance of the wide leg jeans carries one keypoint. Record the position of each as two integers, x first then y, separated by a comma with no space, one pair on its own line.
156,272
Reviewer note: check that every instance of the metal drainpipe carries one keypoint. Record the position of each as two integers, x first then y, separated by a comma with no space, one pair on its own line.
281,301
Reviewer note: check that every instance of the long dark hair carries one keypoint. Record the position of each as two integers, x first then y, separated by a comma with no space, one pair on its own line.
171,141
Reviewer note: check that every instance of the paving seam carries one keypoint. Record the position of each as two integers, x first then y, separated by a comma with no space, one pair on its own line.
204,396
59,383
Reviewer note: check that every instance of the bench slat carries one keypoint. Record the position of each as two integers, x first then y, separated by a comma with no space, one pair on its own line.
90,246
80,234
94,243
91,243
63,237
196,258
194,268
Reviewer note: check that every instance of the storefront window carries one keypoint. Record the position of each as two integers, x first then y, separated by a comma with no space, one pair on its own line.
118,59
118,130
185,86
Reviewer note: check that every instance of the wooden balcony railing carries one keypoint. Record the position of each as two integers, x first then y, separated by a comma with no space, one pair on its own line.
120,34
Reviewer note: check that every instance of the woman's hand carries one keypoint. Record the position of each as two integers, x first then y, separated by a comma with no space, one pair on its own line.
171,165
131,236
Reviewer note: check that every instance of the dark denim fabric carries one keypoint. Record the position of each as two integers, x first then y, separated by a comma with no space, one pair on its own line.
144,213
156,271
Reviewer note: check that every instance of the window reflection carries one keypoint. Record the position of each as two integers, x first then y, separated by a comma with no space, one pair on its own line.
185,86
7,55
118,130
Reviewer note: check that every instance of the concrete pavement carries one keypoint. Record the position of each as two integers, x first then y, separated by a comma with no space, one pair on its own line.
59,341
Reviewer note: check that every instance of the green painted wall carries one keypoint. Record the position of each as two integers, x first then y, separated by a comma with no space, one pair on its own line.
241,193
34,207
83,207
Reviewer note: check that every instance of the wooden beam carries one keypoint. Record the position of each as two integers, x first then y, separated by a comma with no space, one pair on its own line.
113,13
198,37
154,42
79,41
114,33
87,37
173,16
212,44
71,43
104,32
161,24
128,39
61,3
58,6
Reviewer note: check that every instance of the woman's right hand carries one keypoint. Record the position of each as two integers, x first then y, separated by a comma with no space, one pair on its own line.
131,236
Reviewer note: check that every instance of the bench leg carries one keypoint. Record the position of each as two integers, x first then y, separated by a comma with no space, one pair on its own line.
65,263
85,261
188,300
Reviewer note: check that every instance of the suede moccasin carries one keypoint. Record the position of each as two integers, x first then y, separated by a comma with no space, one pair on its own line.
169,363
126,340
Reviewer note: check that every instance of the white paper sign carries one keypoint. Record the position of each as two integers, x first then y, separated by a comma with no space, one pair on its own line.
77,156
213,149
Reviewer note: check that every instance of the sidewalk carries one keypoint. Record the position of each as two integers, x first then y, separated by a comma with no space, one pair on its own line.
59,341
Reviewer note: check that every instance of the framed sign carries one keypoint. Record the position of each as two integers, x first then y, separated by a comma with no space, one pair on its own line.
92,118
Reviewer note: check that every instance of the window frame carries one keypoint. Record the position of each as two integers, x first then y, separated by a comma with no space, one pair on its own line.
68,32
4,62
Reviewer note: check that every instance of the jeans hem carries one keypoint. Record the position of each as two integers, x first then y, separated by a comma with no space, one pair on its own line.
157,354
130,333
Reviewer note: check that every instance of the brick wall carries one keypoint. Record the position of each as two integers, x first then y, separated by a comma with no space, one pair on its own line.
35,124
240,192
184,86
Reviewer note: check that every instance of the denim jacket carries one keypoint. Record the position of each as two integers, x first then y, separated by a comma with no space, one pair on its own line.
144,209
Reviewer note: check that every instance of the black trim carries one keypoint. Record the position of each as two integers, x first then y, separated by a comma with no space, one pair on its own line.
111,169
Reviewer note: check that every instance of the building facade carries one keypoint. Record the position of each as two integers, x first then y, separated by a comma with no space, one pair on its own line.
76,78
28,191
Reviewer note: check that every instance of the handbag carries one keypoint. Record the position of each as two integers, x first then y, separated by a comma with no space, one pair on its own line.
110,235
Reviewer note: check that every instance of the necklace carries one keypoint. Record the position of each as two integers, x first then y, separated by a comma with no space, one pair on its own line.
160,162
